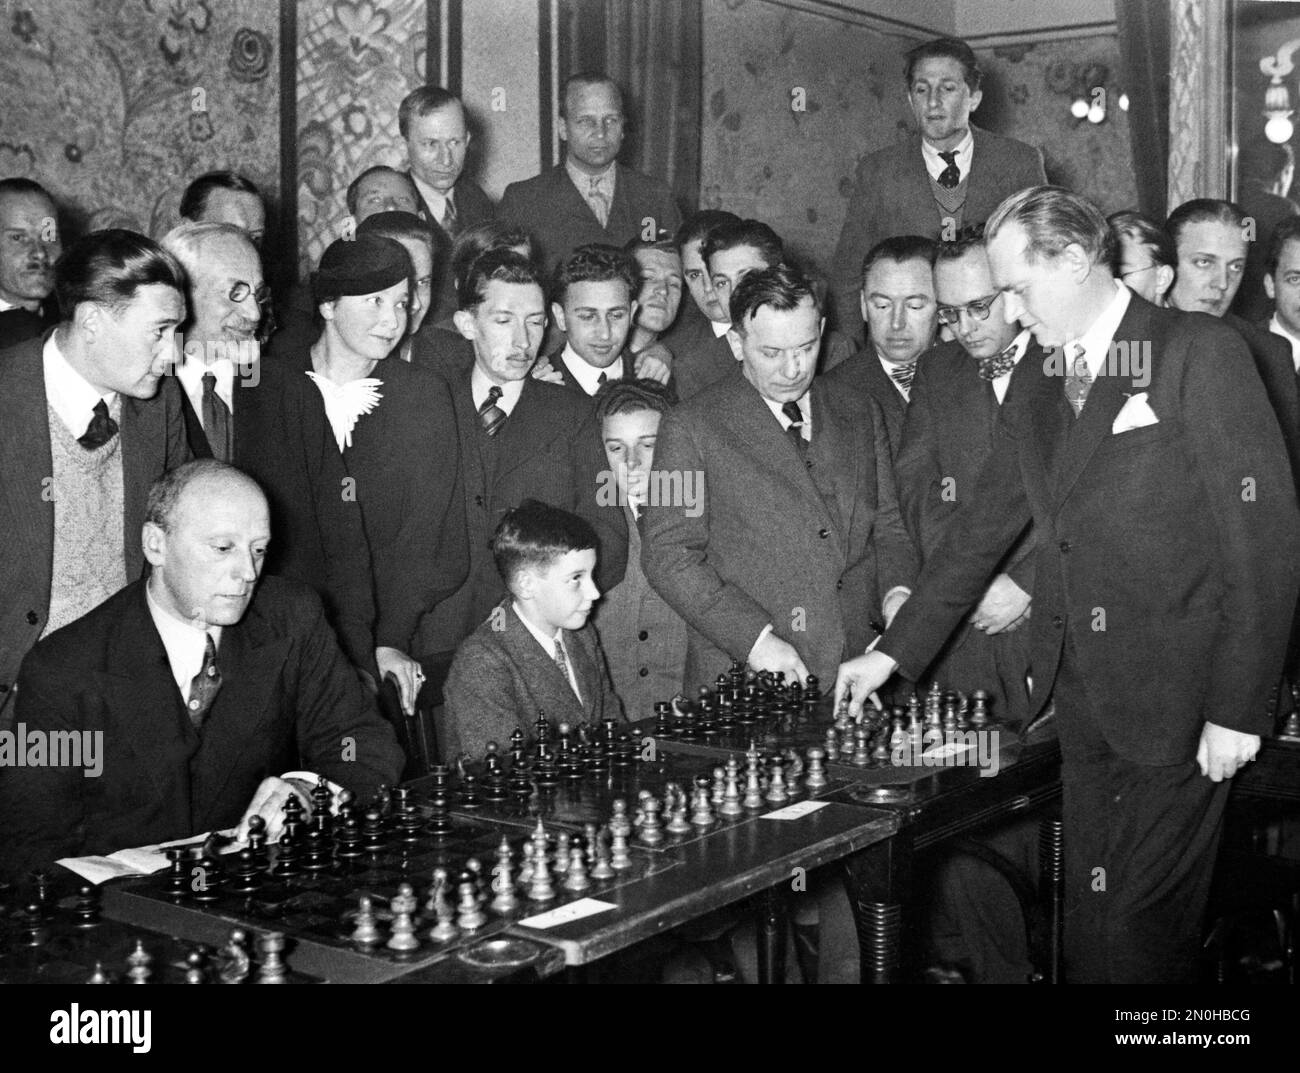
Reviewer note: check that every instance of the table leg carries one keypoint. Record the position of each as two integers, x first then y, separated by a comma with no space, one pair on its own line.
1051,871
879,882
772,927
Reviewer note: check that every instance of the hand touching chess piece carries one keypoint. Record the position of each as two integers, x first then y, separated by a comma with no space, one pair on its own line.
268,802
770,653
861,676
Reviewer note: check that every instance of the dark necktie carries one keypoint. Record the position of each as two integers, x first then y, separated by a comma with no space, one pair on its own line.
563,664
999,364
795,429
449,217
205,686
902,375
216,420
1079,381
950,177
101,429
490,414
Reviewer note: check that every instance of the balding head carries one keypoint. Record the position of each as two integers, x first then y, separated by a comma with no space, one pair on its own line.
206,531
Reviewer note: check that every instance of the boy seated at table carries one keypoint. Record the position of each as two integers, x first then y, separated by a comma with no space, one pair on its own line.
536,651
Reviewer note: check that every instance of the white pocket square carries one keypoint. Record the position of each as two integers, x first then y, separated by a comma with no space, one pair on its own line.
1136,413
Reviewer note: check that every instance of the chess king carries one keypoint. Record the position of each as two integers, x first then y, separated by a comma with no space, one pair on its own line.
1165,578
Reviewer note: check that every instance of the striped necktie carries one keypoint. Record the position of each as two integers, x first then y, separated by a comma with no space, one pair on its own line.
562,662
902,375
491,415
795,429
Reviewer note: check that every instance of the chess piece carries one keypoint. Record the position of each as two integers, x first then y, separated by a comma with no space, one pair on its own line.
576,879
247,874
196,967
505,900
366,932
177,883
979,714
652,833
99,976
816,767
86,910
35,933
861,754
445,930
603,869
620,855
719,786
880,751
619,823
776,789
678,824
539,886
731,804
402,937
286,857
753,798
139,964
469,917
234,961
702,810
812,690
270,946
322,803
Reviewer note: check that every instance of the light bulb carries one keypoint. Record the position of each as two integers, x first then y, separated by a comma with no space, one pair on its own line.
1079,108
1096,113
1123,102
1278,130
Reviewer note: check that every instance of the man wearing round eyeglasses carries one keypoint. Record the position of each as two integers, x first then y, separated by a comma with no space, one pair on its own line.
590,197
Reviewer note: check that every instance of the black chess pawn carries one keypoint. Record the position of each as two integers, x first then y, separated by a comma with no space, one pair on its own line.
87,907
322,802
286,857
319,851
372,833
177,882
207,877
494,776
812,690
257,841
196,966
516,747
139,964
542,728
246,876
34,931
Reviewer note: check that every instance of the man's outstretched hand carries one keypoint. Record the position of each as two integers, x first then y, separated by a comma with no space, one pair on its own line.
861,676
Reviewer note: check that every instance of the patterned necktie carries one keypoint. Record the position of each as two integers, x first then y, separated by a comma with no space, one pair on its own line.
490,414
795,429
1079,381
101,429
999,364
205,686
599,201
563,664
216,420
449,217
902,375
950,177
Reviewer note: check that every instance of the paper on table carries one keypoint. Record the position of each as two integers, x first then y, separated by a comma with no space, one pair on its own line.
140,861
583,907
794,812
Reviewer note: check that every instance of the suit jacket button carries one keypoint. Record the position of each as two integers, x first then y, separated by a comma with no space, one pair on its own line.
1057,621
643,636
643,671
478,501
1065,547
33,618
823,533
839,584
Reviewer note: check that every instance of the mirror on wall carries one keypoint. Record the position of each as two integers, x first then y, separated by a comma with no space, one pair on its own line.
1264,90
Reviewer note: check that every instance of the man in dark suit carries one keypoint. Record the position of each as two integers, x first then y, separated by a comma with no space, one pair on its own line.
206,693
434,124
537,652
265,418
794,546
948,176
1209,236
1266,171
29,246
226,197
89,423
521,438
1166,543
590,197
898,305
698,339
1282,283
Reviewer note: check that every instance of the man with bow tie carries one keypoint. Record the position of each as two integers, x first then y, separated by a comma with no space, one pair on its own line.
950,175
89,423
1167,542
898,304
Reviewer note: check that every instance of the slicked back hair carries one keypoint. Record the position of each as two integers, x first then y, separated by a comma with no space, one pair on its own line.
502,266
1053,218
1204,210
1146,233
423,100
697,226
783,287
109,266
900,248
589,78
629,396
951,48
595,263
474,242
753,233
354,187
194,201
536,534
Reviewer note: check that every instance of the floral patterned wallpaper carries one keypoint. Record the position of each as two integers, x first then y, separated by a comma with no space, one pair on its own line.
761,156
114,105
356,61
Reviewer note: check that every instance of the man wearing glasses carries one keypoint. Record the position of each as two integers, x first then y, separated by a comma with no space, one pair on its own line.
590,197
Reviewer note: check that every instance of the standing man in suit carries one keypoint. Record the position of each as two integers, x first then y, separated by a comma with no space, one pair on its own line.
264,418
436,129
1282,284
947,433
538,652
590,197
209,692
1209,236
85,436
793,546
29,246
1266,171
226,197
950,175
897,302
1167,538
520,438
698,339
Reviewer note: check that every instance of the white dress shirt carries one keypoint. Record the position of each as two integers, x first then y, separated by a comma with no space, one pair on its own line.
69,394
480,385
6,306
550,645
1096,340
190,373
605,182
1277,328
805,408
436,200
889,367
1001,383
935,164
588,376
186,643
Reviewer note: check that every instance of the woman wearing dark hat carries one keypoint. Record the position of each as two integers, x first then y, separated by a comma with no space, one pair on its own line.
395,427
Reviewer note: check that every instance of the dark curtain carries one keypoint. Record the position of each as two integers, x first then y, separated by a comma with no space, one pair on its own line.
1144,56
651,48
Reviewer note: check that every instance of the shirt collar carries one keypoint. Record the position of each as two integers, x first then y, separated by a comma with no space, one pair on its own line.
185,643
480,385
582,180
588,376
68,393
436,200
935,164
192,370
720,328
547,643
6,306
1021,344
1096,340
805,408
1277,328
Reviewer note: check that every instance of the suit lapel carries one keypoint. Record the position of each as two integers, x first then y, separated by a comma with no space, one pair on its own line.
525,431
547,682
584,669
26,459
831,447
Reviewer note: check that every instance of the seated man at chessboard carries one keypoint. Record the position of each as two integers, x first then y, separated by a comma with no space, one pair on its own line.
198,697
536,653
